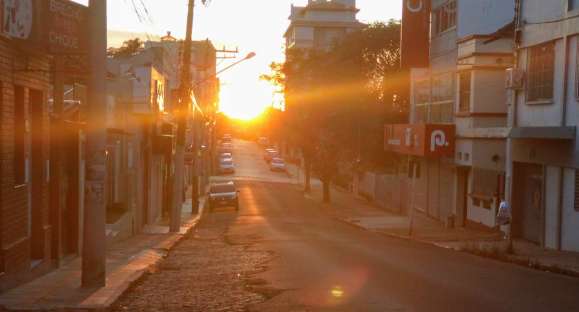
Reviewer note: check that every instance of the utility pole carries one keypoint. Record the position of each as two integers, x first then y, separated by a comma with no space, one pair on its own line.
182,114
94,237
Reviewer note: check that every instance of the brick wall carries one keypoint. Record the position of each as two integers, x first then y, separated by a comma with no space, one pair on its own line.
30,72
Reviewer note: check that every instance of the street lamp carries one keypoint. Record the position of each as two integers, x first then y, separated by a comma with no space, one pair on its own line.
250,55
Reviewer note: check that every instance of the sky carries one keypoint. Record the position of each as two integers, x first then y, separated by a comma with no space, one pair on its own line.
249,25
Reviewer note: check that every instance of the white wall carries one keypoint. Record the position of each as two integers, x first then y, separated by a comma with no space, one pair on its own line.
479,214
481,17
552,189
534,11
489,95
570,227
572,100
331,16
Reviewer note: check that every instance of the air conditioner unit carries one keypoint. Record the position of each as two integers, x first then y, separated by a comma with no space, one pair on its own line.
515,79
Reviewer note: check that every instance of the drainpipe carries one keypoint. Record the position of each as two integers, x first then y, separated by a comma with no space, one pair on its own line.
512,122
563,124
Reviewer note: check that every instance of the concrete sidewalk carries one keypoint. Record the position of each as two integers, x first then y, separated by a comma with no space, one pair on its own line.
126,262
359,212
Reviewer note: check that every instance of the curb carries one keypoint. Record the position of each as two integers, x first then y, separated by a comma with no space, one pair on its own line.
505,258
157,252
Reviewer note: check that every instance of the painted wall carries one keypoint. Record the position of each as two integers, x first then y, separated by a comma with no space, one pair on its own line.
570,226
330,16
480,17
488,92
552,189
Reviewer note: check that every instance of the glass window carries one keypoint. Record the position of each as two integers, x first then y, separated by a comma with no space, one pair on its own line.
444,17
464,91
541,72
223,188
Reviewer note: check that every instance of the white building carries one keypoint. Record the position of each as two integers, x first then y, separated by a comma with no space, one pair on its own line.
320,23
543,153
461,95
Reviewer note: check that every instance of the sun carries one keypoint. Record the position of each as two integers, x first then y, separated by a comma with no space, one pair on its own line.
245,100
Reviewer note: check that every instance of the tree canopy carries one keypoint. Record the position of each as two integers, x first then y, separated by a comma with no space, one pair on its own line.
129,48
338,100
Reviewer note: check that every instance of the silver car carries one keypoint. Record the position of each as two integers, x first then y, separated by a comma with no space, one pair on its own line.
223,194
226,166
277,164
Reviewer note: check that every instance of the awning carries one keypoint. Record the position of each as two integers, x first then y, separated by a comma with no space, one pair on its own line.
544,133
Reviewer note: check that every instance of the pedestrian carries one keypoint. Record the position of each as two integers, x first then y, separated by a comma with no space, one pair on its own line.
503,218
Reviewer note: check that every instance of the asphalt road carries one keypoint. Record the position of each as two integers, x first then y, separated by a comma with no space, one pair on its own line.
322,264
284,252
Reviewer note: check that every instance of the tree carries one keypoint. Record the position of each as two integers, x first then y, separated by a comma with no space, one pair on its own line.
129,48
338,100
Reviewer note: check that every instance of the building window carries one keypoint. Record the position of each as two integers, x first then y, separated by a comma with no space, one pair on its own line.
541,72
464,91
19,136
444,17
573,5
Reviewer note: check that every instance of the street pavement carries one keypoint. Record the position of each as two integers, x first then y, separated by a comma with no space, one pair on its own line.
284,252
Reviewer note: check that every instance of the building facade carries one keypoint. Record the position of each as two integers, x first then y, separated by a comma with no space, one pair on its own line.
320,23
40,189
542,164
455,175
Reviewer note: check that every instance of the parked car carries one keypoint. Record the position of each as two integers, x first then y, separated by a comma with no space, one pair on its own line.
263,141
223,195
225,156
226,166
226,148
277,164
227,138
270,154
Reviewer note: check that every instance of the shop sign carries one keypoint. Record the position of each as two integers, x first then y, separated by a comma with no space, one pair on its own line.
423,140
49,26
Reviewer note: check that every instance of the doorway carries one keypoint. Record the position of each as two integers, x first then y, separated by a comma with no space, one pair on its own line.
462,195
37,178
528,201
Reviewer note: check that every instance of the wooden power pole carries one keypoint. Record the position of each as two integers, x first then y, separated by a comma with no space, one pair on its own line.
182,114
94,237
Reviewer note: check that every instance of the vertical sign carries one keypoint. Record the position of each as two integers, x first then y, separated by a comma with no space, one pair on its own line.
415,33
66,27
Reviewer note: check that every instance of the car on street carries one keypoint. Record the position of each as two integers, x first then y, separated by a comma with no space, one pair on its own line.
263,141
226,147
227,138
226,156
226,166
223,195
269,154
277,164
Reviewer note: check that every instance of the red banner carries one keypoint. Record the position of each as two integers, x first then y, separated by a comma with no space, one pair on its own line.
415,33
424,140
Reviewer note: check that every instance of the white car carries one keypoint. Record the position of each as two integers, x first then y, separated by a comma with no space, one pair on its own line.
277,164
223,194
226,166
226,156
